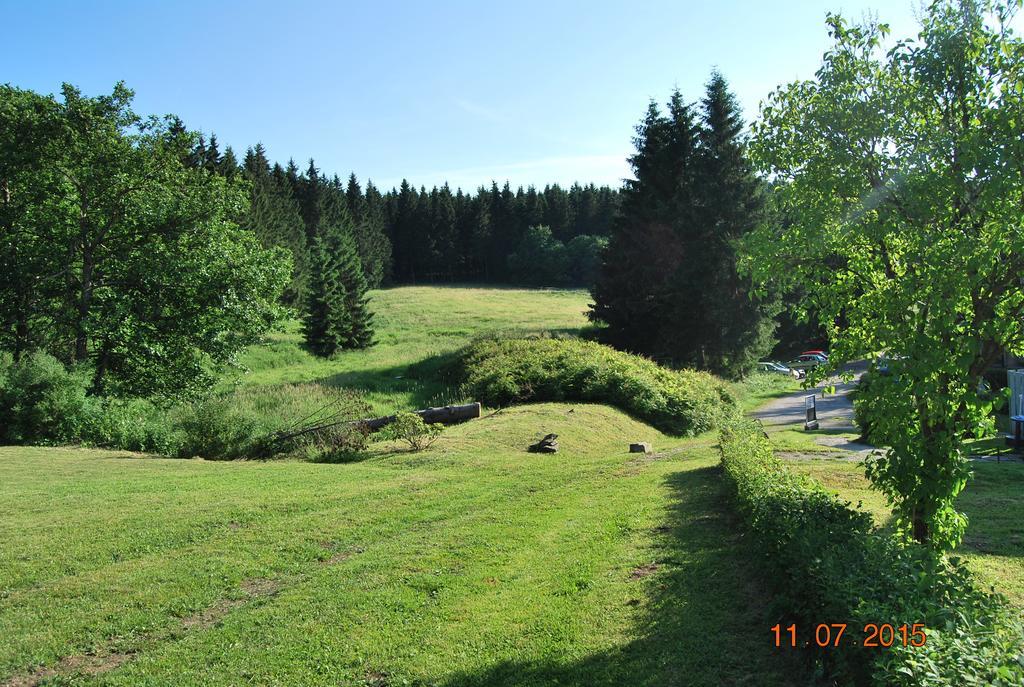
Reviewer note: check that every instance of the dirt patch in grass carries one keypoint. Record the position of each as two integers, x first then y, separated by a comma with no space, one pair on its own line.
96,664
642,571
338,556
208,617
375,678
76,665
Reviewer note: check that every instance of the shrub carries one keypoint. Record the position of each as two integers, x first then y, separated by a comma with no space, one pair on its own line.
411,429
131,425
830,565
41,401
500,372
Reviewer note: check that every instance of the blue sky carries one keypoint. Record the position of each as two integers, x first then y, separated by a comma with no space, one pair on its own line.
532,92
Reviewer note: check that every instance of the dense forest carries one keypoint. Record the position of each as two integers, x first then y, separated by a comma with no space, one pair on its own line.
548,237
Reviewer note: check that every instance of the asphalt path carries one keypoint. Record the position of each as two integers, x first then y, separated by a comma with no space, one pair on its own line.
835,410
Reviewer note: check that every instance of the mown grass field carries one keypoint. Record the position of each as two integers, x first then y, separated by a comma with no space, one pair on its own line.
993,502
474,563
471,563
417,324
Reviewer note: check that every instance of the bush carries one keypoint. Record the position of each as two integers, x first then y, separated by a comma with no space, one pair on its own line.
131,425
42,402
829,565
499,372
411,429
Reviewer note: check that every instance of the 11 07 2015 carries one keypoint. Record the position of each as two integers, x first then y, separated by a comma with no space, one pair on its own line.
827,635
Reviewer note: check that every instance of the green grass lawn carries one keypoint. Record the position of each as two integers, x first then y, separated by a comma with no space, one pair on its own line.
417,324
795,439
765,386
473,563
993,502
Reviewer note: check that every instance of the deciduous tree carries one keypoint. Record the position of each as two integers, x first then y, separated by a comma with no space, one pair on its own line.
901,171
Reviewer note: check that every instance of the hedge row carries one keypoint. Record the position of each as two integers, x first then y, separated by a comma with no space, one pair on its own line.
502,371
830,565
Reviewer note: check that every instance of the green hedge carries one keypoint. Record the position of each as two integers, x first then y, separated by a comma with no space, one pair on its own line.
830,565
502,371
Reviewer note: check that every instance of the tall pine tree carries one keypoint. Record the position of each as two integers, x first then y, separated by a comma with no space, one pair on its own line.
668,285
738,328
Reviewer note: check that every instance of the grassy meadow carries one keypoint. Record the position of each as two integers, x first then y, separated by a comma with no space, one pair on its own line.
471,563
474,563
416,324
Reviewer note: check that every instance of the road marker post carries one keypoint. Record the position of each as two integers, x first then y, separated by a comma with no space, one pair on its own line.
811,408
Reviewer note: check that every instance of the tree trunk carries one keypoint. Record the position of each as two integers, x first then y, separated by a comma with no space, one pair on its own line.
84,303
446,415
919,526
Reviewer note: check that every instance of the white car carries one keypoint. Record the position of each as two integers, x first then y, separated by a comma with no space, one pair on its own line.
779,368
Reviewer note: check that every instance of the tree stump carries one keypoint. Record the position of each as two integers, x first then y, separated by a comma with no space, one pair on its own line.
549,444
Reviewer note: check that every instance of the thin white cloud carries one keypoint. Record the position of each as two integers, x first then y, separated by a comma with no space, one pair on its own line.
482,111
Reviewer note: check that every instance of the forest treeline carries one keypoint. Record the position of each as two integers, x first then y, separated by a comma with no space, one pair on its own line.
550,237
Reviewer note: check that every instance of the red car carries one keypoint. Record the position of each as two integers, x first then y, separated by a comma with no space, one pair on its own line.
823,354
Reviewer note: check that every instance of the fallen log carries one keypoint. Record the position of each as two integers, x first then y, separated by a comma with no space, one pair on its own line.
446,415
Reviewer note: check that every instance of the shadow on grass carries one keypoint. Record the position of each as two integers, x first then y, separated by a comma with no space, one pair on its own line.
427,382
994,504
703,621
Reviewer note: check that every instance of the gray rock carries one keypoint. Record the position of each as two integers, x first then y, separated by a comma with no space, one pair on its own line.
640,447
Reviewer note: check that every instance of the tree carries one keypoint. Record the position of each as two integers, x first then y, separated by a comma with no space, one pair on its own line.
118,256
355,330
378,244
736,328
632,294
900,174
324,321
540,259
583,259
273,215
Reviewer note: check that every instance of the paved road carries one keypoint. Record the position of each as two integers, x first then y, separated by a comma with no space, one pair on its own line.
834,410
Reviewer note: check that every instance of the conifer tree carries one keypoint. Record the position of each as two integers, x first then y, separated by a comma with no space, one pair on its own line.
355,329
211,157
379,248
228,164
738,327
668,285
324,322
632,293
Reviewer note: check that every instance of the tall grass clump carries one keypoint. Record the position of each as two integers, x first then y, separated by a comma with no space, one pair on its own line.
503,371
310,420
43,402
828,564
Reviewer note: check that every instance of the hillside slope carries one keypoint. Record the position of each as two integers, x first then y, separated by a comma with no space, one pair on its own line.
473,563
415,324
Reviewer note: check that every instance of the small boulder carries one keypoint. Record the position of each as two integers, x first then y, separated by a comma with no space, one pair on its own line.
549,444
640,447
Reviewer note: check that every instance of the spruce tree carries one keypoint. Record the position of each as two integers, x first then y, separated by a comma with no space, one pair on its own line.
356,328
668,285
633,294
324,324
738,328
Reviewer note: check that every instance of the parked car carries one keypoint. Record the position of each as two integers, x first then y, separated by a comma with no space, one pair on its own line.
779,368
807,361
823,354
